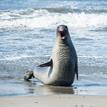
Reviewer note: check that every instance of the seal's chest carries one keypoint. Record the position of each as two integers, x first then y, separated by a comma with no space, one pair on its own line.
62,58
62,53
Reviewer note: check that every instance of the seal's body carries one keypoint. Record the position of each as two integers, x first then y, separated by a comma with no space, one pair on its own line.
63,64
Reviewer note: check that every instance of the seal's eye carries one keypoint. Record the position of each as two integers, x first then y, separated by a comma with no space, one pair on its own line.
66,27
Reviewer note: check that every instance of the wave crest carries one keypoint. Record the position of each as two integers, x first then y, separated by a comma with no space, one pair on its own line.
44,19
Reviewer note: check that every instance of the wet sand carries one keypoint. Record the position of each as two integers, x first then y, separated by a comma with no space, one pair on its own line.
54,101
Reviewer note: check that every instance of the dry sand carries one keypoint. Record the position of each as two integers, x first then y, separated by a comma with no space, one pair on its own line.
64,100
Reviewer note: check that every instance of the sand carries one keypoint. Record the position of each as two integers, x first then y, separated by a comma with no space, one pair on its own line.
64,100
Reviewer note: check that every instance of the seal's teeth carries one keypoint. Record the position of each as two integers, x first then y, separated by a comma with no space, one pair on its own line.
63,37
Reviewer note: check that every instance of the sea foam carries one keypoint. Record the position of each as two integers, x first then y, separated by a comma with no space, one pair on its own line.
45,19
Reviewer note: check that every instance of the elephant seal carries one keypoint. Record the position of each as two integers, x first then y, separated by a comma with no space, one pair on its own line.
63,64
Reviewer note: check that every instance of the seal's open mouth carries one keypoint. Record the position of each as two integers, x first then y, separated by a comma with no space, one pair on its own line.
62,33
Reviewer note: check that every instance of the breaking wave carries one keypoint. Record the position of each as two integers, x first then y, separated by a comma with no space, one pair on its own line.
42,18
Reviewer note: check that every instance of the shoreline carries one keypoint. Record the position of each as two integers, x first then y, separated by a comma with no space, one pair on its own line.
65,100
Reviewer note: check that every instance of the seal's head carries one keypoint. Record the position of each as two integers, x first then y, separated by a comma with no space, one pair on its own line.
62,32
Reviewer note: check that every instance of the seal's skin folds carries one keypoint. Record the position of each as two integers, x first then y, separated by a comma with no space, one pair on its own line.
63,64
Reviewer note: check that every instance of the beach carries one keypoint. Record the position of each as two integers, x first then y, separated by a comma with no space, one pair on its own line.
54,101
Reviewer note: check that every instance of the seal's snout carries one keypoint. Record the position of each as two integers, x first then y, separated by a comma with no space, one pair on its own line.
62,29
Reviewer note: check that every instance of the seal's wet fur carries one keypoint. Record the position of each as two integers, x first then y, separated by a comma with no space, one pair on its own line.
63,62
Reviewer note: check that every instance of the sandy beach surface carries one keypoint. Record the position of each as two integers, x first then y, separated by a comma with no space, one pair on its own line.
54,101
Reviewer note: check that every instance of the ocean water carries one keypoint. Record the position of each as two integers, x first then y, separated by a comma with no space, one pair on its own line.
27,36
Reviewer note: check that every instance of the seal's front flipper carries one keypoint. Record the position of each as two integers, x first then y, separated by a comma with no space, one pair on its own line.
46,64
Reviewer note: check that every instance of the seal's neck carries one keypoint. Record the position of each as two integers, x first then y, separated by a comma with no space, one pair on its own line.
65,42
